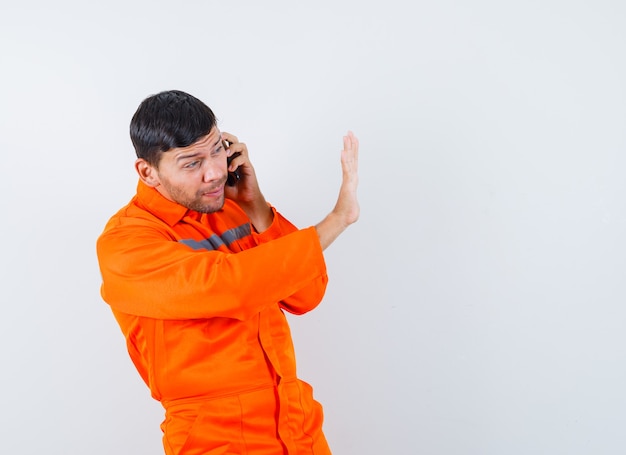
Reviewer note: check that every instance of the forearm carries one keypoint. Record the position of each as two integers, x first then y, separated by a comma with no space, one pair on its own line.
330,228
259,212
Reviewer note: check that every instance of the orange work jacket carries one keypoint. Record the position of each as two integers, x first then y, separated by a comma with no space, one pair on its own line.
200,300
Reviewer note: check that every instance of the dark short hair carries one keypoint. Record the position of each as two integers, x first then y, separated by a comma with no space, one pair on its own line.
168,120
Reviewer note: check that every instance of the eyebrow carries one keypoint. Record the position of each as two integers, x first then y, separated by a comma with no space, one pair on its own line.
185,156
195,154
218,141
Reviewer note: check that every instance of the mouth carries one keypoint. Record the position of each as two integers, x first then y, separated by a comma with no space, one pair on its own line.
215,191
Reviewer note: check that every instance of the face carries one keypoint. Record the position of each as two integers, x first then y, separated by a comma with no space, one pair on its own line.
192,176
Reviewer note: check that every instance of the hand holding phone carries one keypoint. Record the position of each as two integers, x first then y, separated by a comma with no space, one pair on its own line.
233,177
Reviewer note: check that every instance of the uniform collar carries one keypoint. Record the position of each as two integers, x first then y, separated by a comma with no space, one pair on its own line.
154,202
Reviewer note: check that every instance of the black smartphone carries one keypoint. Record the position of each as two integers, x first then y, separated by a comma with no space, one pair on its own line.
233,177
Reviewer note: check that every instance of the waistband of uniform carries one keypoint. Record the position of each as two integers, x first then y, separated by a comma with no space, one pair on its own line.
187,401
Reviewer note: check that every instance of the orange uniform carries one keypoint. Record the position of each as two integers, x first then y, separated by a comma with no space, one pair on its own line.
200,300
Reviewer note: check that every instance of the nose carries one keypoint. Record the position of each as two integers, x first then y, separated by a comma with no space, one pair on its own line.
212,171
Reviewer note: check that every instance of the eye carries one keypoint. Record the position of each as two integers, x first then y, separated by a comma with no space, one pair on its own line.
192,164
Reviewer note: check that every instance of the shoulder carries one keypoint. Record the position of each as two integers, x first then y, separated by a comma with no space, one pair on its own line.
133,221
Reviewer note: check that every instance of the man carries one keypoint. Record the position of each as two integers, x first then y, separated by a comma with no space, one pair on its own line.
198,274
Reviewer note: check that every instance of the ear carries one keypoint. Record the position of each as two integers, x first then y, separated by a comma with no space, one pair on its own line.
147,173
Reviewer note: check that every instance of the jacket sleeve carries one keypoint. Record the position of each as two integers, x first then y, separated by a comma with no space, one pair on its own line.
308,297
146,273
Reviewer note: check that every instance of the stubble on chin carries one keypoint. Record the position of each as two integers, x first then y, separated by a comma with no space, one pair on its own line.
199,207
196,203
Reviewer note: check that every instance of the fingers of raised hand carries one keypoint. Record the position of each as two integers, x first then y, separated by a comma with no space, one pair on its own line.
351,143
350,153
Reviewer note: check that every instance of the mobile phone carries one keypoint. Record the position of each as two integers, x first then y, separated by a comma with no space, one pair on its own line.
233,177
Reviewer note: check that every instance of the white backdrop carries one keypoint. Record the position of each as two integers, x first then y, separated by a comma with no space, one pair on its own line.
478,307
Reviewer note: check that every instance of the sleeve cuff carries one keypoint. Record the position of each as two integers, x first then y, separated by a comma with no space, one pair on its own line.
280,226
